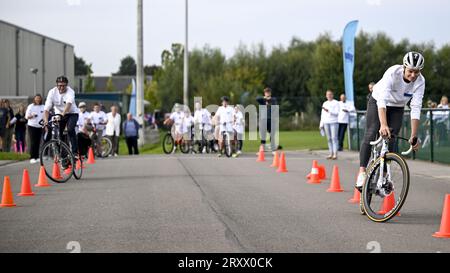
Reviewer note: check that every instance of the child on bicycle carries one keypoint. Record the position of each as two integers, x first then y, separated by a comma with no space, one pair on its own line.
224,117
202,122
399,85
176,119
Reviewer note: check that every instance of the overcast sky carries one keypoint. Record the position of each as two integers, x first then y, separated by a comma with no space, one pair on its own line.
104,31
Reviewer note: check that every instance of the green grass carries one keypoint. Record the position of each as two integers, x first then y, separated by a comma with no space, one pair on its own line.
14,156
289,140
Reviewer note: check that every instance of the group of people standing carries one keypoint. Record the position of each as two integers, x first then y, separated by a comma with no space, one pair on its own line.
12,127
334,121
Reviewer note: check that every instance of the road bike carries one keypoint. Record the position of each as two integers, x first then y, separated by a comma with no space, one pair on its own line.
387,177
168,144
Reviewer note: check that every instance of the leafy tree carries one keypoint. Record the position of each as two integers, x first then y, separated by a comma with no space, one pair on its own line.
89,85
127,67
81,68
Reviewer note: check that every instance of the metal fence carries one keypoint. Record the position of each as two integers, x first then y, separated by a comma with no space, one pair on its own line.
433,134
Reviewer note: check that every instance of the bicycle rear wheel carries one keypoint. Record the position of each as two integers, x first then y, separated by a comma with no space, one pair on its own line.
184,147
57,160
382,209
78,170
106,146
168,144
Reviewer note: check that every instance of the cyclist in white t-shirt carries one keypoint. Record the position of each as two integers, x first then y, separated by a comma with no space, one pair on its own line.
202,122
224,117
399,85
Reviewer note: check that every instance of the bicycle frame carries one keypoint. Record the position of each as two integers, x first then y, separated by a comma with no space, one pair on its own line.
381,153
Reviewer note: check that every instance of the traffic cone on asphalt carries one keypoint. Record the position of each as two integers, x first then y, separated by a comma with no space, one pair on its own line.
276,161
356,197
91,159
282,165
314,176
42,182
444,231
335,181
388,204
7,196
55,171
26,185
261,154
322,172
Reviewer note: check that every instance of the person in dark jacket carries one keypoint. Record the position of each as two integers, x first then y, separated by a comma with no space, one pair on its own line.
9,128
131,132
21,128
267,121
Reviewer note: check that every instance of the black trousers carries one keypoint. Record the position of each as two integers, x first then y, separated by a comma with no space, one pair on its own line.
35,141
132,143
394,117
341,135
70,120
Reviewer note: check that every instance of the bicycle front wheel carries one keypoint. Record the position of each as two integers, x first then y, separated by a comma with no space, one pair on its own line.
57,160
227,145
396,172
168,144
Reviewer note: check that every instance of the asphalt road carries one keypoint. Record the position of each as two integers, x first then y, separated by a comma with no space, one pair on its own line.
187,203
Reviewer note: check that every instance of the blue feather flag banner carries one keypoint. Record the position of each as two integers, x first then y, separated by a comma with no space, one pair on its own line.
348,46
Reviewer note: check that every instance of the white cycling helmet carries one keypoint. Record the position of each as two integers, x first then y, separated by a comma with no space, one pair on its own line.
413,60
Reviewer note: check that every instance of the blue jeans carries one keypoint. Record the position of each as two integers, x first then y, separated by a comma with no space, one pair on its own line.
331,130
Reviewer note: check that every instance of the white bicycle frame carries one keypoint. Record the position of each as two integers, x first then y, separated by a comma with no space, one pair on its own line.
382,153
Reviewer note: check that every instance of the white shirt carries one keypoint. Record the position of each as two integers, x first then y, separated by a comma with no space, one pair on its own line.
225,115
177,118
238,123
343,116
392,90
202,117
58,101
82,117
113,125
35,110
333,111
97,118
188,120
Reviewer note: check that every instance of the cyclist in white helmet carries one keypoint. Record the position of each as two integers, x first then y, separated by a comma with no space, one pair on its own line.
399,85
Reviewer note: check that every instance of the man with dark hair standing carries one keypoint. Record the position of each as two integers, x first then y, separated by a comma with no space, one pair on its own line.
266,124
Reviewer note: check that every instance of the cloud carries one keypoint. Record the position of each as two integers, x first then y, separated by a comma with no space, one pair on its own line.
73,2
374,2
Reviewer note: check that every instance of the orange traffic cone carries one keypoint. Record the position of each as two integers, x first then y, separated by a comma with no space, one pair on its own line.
282,165
335,181
26,185
55,171
261,154
356,197
388,204
314,177
91,159
42,182
444,231
7,196
322,172
276,161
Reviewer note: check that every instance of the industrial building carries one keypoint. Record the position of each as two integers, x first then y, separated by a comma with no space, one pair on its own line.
30,62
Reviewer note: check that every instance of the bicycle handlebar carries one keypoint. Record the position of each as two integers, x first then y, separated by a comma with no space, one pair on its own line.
409,151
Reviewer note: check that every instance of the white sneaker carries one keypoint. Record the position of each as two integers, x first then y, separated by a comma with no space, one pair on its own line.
33,161
360,180
116,155
239,152
174,149
204,150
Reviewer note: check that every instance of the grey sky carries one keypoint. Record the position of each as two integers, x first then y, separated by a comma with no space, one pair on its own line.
104,31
